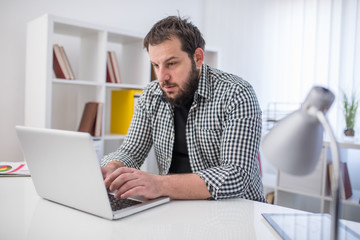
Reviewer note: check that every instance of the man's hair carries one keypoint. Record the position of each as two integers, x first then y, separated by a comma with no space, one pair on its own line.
174,26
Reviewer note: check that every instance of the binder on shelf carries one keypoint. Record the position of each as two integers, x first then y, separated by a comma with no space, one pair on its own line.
345,181
123,103
61,65
112,68
91,119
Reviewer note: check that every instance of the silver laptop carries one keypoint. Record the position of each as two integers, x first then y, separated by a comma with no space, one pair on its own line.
65,169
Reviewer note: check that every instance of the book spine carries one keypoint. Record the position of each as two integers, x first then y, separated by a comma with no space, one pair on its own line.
67,64
115,66
109,68
98,120
57,63
346,188
87,123
346,181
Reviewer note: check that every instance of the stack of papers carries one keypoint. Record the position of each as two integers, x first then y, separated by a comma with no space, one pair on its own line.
14,169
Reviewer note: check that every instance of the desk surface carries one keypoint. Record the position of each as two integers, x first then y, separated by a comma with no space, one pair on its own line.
24,215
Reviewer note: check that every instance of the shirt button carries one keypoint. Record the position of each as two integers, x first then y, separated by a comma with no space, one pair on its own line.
172,135
169,159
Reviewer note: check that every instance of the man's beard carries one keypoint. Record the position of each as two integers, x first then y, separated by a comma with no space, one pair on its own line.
185,95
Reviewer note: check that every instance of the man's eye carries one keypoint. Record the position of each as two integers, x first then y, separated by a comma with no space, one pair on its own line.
171,63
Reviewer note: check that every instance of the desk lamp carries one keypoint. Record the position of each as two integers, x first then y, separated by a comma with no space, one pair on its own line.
294,144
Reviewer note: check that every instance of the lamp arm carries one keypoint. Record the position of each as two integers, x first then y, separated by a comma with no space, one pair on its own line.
336,174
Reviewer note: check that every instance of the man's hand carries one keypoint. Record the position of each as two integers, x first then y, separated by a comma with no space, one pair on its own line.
110,168
130,182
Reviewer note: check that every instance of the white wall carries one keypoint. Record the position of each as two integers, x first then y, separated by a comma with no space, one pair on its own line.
237,28
135,15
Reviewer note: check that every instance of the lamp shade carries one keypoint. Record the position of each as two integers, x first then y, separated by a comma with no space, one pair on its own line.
294,144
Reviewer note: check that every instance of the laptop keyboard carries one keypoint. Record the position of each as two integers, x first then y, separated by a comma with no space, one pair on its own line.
119,203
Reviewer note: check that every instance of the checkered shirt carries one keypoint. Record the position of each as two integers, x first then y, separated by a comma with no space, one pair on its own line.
223,132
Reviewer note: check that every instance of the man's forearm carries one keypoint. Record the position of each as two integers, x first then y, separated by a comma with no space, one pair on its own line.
184,186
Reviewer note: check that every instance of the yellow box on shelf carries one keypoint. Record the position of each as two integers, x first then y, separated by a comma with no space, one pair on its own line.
122,109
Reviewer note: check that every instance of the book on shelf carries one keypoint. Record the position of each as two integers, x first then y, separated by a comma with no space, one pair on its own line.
98,120
345,183
58,63
61,64
91,119
112,68
110,77
67,63
123,104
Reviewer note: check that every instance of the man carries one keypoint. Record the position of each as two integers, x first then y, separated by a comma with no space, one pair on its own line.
204,124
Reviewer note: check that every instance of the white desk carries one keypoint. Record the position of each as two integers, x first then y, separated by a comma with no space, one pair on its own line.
24,215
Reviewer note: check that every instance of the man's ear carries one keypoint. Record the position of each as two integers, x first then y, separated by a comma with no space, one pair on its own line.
199,57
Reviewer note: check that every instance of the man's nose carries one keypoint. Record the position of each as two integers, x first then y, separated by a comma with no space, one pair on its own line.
163,74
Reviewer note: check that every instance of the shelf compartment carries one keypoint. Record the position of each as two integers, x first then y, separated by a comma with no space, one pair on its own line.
299,192
297,201
68,103
349,210
134,63
111,143
354,200
85,48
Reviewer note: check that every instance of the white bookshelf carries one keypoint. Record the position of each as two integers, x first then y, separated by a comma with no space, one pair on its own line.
58,103
312,192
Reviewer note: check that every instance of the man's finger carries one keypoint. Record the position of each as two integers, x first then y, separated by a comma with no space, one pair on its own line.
121,179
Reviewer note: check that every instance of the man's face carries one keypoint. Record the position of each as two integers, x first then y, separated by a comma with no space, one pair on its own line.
177,73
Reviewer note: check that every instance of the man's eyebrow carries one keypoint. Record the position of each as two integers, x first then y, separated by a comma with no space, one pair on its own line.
167,60
171,58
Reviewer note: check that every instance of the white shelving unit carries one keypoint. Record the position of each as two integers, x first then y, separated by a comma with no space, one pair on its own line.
312,192
58,103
